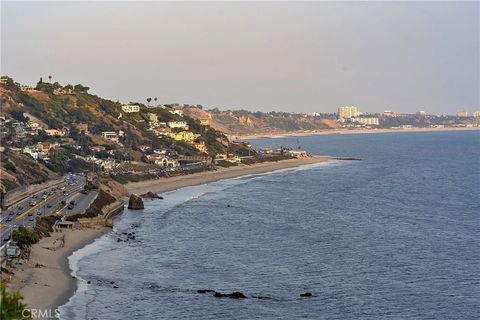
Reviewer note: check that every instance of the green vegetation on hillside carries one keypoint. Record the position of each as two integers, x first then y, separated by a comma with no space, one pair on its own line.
12,306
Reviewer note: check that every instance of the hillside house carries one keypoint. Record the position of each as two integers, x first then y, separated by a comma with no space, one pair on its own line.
162,131
34,125
178,124
56,132
83,128
129,108
26,88
200,146
64,90
186,136
110,135
45,146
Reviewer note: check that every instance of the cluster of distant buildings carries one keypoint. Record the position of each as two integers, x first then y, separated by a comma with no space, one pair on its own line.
350,116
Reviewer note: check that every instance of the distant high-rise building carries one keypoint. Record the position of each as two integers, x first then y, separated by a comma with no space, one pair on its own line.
347,112
476,114
421,113
462,114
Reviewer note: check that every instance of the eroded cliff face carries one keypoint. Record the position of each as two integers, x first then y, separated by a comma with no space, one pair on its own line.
244,122
110,200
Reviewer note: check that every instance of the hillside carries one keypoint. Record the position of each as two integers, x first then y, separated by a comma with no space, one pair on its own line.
243,122
52,129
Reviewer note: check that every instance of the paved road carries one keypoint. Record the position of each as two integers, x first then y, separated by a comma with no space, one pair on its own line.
26,211
82,201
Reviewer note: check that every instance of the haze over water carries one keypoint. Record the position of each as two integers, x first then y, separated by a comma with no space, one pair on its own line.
393,236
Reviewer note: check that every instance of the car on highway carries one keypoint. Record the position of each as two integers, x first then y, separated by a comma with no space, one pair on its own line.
62,188
34,196
9,219
44,197
33,203
11,213
6,238
20,208
49,205
30,214
70,207
31,219
65,194
19,212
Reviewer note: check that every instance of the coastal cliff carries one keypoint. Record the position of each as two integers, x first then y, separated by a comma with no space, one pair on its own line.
110,200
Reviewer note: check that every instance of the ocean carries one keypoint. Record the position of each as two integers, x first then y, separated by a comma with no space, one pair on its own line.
395,235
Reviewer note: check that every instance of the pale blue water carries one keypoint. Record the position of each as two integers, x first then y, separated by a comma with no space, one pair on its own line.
394,236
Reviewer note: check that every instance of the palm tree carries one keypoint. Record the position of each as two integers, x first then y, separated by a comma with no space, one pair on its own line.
50,79
148,100
155,100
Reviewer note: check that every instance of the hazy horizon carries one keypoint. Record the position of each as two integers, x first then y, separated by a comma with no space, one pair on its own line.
297,57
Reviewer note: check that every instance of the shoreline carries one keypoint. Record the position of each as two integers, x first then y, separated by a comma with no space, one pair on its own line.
162,185
51,285
344,131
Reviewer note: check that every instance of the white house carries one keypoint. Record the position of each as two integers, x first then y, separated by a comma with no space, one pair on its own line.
32,151
178,124
166,162
177,112
129,108
110,135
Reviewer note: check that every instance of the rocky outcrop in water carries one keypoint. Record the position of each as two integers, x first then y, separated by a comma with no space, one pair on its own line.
233,295
151,195
306,294
135,202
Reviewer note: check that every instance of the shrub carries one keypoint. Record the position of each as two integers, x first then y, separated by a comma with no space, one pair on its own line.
12,306
25,237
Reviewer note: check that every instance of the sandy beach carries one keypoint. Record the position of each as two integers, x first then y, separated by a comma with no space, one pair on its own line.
45,281
344,131
169,184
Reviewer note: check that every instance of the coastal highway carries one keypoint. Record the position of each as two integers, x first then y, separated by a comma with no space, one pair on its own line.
82,202
25,212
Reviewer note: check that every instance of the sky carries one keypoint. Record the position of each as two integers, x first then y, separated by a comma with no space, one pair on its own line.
282,56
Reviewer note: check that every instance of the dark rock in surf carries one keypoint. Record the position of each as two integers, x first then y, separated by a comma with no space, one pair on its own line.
233,295
135,202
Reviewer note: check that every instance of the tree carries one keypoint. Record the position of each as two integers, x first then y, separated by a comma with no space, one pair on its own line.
50,79
148,100
81,88
18,115
12,305
58,161
155,100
